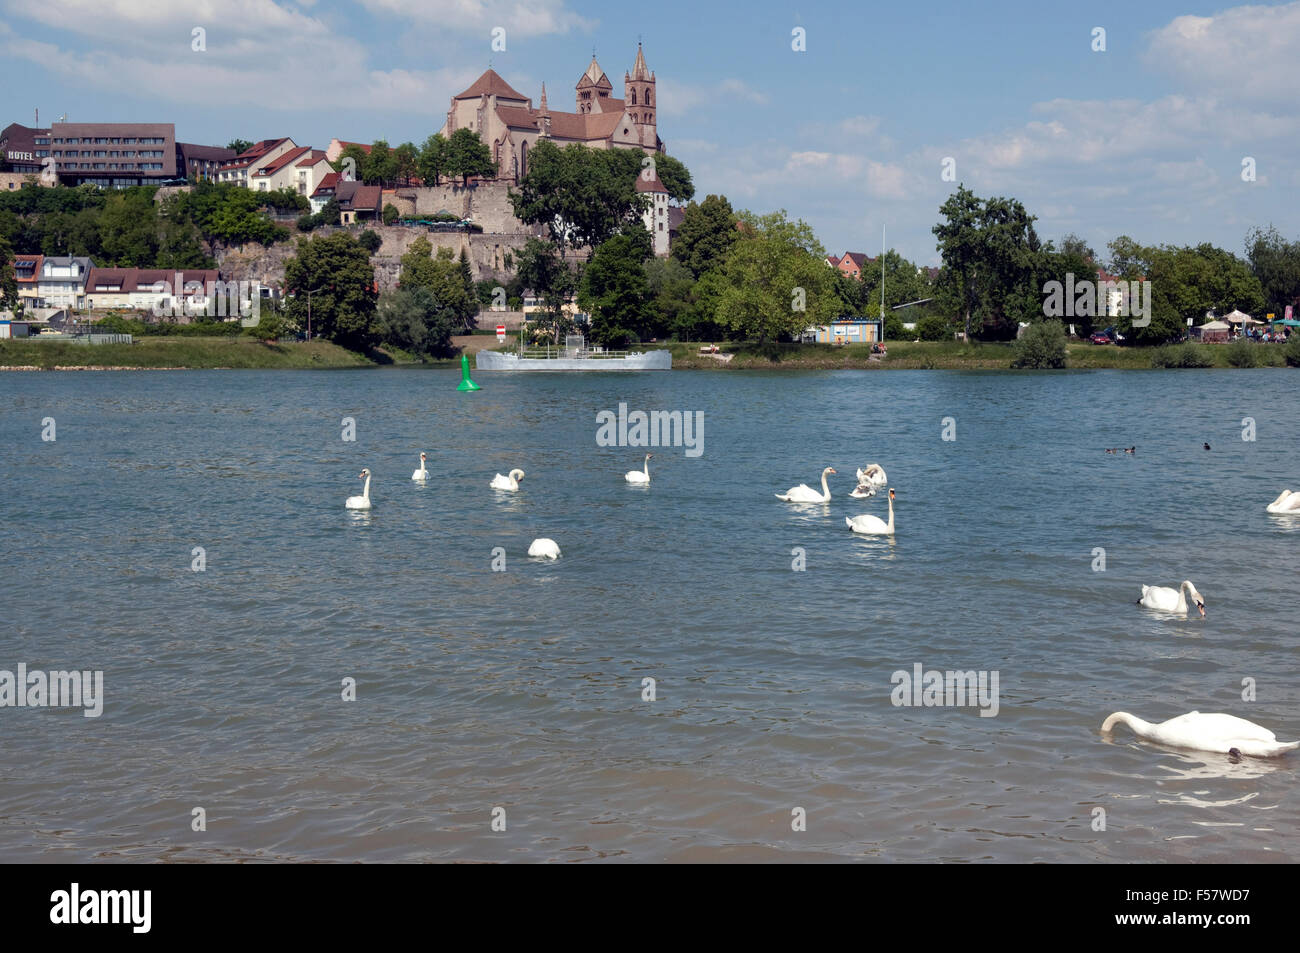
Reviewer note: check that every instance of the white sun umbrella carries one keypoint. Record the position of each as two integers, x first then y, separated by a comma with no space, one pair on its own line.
1238,317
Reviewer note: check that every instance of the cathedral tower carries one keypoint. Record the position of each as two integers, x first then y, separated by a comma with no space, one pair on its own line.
639,97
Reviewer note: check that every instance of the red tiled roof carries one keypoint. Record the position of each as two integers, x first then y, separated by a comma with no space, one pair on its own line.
278,163
364,147
313,157
142,279
653,184
327,183
492,84
35,261
857,257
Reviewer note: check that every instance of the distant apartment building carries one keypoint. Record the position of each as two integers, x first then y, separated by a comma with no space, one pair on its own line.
63,281
148,289
300,170
112,154
201,162
241,169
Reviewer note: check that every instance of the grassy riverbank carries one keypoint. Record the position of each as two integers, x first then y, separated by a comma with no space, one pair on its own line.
938,355
186,352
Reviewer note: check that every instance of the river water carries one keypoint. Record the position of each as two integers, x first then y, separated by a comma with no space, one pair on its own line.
772,633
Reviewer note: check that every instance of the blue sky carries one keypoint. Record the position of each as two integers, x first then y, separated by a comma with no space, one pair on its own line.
1146,138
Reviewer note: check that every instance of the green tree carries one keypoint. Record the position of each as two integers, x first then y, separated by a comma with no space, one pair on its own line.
614,289
8,279
406,162
993,257
468,155
468,298
417,265
432,162
239,145
581,195
337,269
390,214
414,320
369,240
381,166
1276,263
542,269
360,161
672,294
775,282
706,234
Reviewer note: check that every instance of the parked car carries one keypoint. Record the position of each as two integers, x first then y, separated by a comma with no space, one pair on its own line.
1100,337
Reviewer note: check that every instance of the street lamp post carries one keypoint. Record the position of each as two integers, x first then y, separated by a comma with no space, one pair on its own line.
309,294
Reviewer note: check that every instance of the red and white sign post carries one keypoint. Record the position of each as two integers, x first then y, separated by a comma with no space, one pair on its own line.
501,333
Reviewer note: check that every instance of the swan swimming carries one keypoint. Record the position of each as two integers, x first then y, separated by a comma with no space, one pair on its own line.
639,476
1287,502
544,547
1172,600
870,479
869,525
510,482
803,493
361,502
422,473
1216,732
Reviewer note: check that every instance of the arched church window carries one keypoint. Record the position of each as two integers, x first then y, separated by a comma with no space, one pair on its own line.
634,97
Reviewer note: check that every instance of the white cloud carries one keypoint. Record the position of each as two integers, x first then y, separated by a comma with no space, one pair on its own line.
533,18
733,89
1246,52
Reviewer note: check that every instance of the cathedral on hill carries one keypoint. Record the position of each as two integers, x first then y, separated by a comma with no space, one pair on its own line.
507,121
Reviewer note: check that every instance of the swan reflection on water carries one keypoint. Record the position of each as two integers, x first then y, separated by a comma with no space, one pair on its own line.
875,547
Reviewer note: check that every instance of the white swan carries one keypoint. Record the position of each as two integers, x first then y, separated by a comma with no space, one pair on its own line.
544,547
869,525
639,476
510,482
803,493
870,479
1213,732
361,502
1171,600
1287,502
422,473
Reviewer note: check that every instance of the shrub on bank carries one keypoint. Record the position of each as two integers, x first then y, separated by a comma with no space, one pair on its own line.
1242,354
933,328
1292,351
1041,346
1182,355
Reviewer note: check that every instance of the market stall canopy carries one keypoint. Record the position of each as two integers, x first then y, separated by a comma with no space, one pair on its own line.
1213,326
1286,322
1238,317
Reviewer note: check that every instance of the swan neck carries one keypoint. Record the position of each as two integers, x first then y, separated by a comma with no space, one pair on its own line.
366,491
1135,724
826,491
891,514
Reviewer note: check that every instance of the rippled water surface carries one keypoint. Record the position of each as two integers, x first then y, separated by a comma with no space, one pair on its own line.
522,689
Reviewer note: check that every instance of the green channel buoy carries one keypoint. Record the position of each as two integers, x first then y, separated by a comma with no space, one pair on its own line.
465,382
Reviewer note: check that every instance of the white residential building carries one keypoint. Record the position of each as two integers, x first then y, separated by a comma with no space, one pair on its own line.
62,281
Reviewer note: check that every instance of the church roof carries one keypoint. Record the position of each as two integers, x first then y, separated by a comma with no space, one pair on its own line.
492,84
595,76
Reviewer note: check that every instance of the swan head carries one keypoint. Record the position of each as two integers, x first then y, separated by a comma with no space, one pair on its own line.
828,470
891,494
516,474
1196,598
422,458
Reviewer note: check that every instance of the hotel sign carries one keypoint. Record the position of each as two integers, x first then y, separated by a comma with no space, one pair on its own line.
21,156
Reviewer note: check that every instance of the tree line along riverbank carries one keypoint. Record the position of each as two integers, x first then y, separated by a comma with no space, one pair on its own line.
239,352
